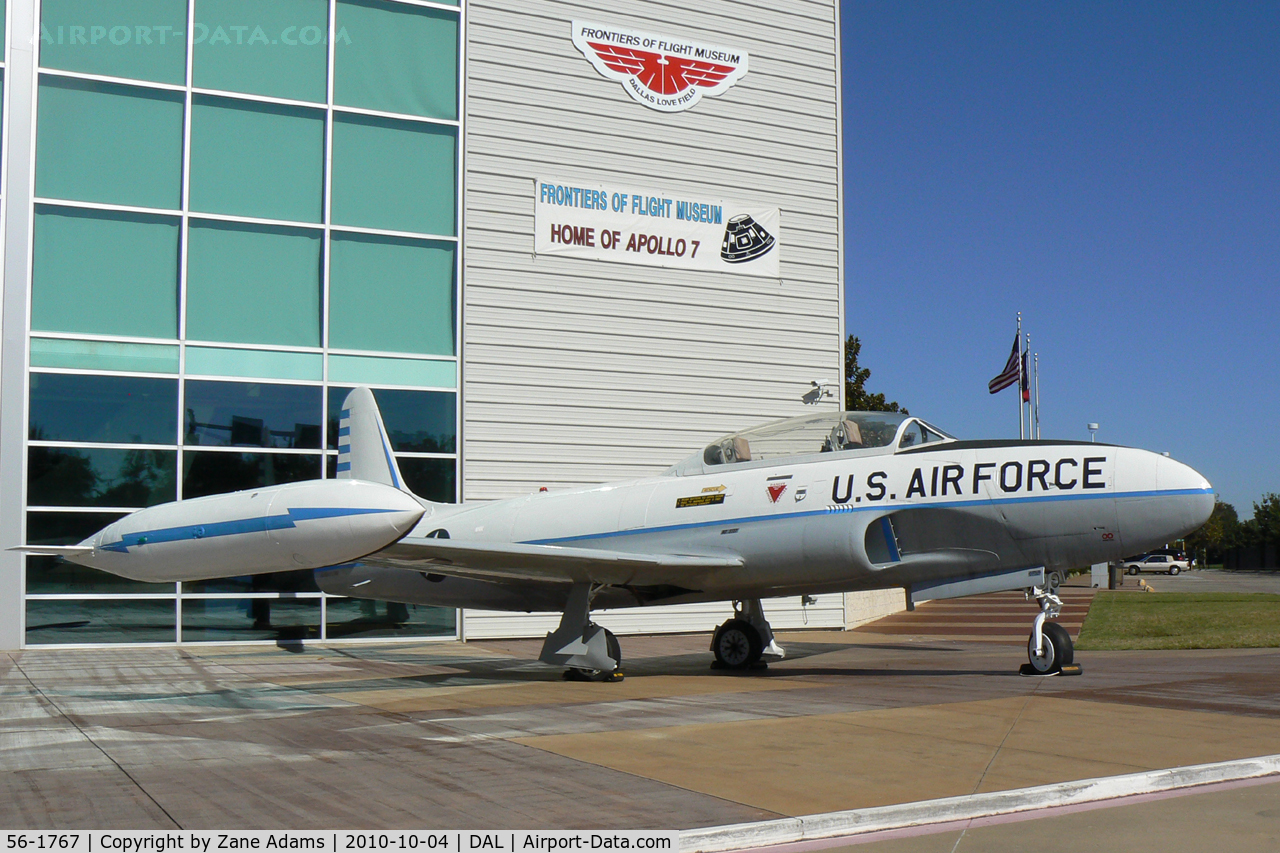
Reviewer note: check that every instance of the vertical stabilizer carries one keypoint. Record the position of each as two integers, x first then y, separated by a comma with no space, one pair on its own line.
364,449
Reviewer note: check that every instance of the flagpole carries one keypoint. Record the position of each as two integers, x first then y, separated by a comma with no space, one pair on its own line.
1037,361
1021,432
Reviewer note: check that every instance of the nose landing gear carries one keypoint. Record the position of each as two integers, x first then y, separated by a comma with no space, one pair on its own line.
1049,648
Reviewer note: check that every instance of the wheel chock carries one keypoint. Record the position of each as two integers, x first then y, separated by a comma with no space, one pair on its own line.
1069,669
1028,669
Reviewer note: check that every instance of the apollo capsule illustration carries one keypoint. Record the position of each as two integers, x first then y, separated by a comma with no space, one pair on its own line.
744,240
304,525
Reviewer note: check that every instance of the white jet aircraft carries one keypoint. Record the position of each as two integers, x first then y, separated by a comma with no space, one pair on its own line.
828,502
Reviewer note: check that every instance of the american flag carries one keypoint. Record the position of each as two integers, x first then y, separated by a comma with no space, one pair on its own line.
1011,371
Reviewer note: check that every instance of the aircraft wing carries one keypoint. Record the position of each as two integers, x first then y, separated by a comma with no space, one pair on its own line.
515,561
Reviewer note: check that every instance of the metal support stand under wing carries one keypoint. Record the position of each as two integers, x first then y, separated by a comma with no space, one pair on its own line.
589,651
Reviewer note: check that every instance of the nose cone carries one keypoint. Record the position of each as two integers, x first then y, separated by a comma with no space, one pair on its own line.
1191,486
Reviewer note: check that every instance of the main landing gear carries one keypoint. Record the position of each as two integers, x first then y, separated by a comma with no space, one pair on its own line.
1049,648
741,642
589,652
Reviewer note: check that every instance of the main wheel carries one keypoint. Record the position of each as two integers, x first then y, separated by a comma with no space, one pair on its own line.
1132,570
736,644
1173,570
1058,650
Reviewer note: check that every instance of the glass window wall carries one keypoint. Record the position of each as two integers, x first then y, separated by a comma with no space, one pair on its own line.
194,235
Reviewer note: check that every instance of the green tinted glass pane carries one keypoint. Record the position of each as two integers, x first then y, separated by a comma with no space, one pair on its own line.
208,472
259,160
1,69
375,370
361,617
109,621
108,409
433,479
142,39
391,294
66,476
256,364
277,48
395,175
103,142
301,580
416,421
396,58
251,284
54,575
105,273
104,355
224,620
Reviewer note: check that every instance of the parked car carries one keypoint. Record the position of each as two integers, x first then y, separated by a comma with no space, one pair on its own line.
1166,563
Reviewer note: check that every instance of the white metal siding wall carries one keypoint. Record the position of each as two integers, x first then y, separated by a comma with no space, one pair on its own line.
828,611
577,371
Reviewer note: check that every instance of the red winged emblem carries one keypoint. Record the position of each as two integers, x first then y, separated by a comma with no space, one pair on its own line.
666,75
658,72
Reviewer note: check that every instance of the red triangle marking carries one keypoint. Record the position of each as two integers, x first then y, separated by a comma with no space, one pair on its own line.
775,491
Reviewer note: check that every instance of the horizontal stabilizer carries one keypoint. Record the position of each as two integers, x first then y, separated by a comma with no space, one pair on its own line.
544,562
52,550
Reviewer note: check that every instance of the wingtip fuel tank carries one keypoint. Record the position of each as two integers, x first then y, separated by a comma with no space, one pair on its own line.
295,526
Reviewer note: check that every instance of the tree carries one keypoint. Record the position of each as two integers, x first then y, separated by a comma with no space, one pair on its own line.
1266,517
1219,533
856,396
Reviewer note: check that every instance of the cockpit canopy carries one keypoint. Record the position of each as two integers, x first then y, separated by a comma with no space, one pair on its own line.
822,433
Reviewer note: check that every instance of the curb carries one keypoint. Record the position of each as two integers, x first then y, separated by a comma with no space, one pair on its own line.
742,836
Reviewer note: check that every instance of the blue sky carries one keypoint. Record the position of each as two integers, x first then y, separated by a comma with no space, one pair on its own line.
1112,171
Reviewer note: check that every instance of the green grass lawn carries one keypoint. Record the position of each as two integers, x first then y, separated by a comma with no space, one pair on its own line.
1181,620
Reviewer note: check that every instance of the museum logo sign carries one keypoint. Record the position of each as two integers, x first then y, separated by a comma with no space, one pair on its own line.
663,73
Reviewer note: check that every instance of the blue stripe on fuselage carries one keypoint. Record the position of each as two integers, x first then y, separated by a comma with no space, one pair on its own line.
234,528
891,507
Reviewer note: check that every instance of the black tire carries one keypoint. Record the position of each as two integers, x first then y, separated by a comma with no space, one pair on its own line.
1131,570
614,647
737,645
1058,649
1173,570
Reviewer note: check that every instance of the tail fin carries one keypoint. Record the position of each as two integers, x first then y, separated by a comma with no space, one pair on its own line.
364,449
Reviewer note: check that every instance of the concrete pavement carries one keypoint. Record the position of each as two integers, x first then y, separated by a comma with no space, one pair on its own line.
478,736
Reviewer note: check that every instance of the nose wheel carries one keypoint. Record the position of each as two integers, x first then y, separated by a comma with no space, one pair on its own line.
1055,652
1049,648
